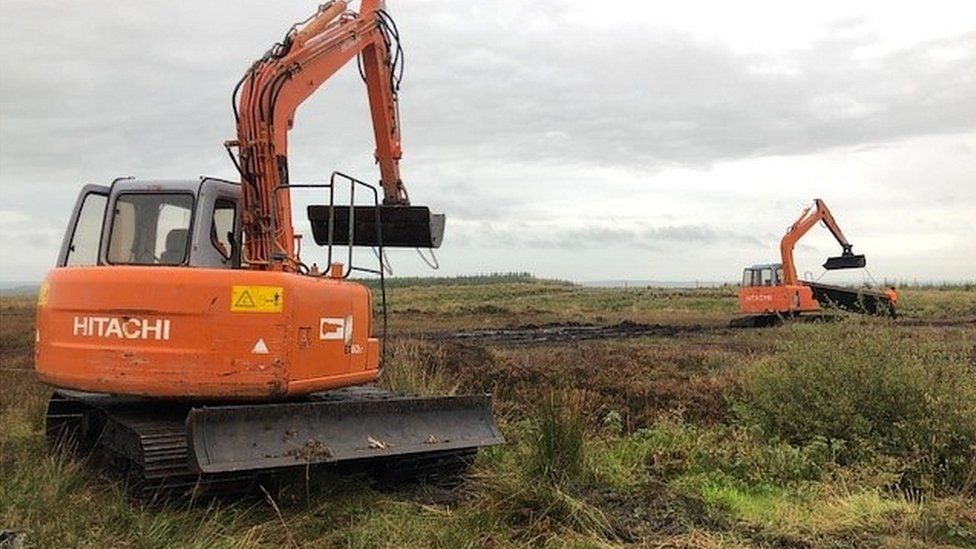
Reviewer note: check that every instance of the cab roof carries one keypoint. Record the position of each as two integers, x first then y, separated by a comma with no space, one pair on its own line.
187,185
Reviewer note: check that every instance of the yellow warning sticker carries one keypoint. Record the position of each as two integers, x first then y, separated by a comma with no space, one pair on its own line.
256,299
42,294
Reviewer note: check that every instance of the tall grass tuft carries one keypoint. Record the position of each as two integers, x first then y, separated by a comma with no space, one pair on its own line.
558,453
417,368
870,391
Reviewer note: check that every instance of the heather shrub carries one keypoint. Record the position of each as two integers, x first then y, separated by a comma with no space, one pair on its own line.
869,390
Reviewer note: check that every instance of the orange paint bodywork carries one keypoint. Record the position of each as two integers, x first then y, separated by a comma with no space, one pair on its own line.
777,299
170,332
175,332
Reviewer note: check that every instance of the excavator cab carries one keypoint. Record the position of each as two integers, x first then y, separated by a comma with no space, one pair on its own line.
192,223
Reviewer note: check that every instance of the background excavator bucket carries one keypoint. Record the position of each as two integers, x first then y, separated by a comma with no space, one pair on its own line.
402,226
846,261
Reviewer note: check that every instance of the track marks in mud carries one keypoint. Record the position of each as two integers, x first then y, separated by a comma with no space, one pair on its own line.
571,331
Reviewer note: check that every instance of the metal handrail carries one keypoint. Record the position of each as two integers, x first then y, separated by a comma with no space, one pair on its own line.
349,267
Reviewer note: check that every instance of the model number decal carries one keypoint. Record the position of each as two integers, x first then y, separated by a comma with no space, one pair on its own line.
121,328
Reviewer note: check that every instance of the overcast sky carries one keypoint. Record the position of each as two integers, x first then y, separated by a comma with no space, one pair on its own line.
573,139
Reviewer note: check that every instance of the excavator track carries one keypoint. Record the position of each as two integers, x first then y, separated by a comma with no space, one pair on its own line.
149,444
143,444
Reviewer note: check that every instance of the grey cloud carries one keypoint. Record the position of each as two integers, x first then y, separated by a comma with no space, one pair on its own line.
146,88
646,98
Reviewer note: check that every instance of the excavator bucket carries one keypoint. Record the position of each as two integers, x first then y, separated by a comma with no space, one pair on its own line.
846,261
393,226
341,429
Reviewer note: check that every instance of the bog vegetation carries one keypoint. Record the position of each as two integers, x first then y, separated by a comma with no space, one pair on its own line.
860,432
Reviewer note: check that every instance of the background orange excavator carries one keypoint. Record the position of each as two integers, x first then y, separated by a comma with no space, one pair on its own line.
191,345
772,291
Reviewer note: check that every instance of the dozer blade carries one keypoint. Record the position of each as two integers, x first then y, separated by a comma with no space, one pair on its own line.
402,226
846,261
264,436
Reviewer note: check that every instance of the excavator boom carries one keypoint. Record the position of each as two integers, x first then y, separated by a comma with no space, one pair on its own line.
265,101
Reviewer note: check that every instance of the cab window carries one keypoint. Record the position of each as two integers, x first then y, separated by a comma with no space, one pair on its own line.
83,249
150,229
222,229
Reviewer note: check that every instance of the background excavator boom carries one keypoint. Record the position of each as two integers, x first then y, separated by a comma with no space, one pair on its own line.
810,217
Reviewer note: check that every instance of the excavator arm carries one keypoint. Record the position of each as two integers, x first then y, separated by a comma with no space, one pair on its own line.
810,217
265,101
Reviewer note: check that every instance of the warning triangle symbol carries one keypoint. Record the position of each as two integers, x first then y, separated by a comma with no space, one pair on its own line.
259,348
245,300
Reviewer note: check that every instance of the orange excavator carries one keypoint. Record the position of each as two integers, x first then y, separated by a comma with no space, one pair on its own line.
189,344
771,292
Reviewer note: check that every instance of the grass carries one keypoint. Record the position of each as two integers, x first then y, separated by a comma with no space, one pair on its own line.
558,453
940,302
427,308
418,369
800,435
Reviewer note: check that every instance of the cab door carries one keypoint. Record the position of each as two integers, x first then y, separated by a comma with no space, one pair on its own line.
216,236
83,236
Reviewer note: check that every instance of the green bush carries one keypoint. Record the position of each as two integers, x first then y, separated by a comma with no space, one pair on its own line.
869,390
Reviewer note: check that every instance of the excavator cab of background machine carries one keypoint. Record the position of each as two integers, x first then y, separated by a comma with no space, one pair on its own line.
762,275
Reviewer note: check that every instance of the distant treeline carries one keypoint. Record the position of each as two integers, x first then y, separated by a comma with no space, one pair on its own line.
465,280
